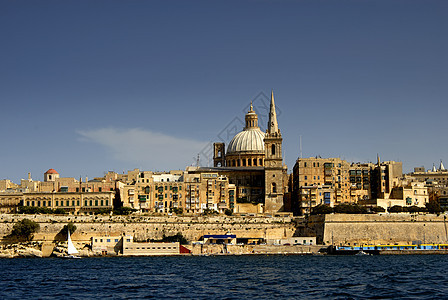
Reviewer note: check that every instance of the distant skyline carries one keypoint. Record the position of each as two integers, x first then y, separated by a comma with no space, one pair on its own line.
93,86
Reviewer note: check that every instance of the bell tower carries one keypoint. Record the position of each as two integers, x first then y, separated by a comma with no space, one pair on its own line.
274,171
219,155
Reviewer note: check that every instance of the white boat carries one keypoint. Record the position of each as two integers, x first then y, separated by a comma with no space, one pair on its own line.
362,253
71,249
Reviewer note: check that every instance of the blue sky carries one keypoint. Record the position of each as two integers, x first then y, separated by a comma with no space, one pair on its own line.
92,86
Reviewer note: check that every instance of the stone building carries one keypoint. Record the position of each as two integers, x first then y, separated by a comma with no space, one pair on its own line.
361,183
319,180
73,196
435,180
384,177
360,187
175,191
254,163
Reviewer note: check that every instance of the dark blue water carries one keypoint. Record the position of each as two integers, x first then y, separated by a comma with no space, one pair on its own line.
227,277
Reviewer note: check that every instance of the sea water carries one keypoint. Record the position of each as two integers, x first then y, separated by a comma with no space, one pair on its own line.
227,277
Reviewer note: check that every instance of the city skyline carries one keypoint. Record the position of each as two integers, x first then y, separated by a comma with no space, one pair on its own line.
112,85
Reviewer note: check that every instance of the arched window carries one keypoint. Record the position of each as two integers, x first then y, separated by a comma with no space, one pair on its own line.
249,162
238,162
244,162
233,163
219,153
255,161
274,187
273,149
260,162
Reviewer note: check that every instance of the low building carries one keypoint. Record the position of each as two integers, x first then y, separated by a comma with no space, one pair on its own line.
220,239
305,240
107,245
131,248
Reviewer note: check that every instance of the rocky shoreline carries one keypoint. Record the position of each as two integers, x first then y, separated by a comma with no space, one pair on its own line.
41,249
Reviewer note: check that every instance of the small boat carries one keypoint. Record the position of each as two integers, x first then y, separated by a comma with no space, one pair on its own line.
71,249
362,253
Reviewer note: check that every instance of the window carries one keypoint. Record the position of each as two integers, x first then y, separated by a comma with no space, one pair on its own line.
274,187
85,202
273,149
107,202
57,203
108,240
99,189
96,202
306,177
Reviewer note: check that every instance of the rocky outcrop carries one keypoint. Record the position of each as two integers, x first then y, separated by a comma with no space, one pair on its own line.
28,249
60,250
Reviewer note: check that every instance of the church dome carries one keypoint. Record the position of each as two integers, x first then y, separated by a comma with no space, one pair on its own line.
51,171
251,139
247,141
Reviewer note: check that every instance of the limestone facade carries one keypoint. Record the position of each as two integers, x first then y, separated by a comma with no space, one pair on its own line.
169,192
253,162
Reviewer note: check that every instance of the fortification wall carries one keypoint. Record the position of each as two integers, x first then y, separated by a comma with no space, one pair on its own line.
148,227
379,229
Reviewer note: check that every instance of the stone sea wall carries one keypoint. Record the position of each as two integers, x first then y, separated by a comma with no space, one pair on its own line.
150,227
379,228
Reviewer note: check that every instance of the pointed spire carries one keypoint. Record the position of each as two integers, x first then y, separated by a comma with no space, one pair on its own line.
434,168
272,124
441,167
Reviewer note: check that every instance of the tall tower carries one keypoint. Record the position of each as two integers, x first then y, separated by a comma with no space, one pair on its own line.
274,171
219,155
